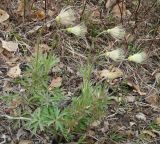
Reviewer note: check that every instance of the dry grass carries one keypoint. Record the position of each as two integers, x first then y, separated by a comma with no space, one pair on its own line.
74,52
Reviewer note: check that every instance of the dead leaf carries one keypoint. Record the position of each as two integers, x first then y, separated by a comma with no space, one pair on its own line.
9,45
150,133
1,49
14,72
130,98
56,82
119,10
95,12
21,132
153,100
141,116
129,134
35,29
157,76
20,9
158,29
3,16
158,121
132,124
38,15
136,87
16,102
129,38
95,124
44,47
113,74
110,3
24,8
25,142
51,13
105,127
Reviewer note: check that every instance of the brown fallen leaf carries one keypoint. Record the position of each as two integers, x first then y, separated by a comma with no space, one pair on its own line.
110,3
38,15
153,100
95,12
25,142
113,74
119,10
129,37
35,29
141,116
130,99
15,102
24,8
51,13
3,16
1,49
44,47
149,133
56,82
105,127
41,48
157,76
95,124
157,121
9,45
14,72
136,87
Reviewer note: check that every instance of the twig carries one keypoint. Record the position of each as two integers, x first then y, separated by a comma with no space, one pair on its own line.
84,7
16,118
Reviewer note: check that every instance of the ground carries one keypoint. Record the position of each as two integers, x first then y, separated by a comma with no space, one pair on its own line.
126,111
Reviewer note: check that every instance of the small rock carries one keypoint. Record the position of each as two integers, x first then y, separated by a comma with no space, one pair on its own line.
141,116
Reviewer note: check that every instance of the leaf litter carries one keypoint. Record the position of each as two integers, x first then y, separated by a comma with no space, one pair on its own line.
133,98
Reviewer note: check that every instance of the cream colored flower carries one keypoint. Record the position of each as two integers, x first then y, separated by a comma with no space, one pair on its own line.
66,16
116,55
138,57
117,32
78,30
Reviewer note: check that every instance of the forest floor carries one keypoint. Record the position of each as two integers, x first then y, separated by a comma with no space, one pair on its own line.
132,112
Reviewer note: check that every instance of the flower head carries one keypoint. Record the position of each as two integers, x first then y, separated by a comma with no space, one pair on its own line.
117,32
116,55
138,57
66,16
78,30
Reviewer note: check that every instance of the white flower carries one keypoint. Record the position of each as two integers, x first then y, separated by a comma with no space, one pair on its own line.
66,16
78,30
116,55
117,32
138,57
